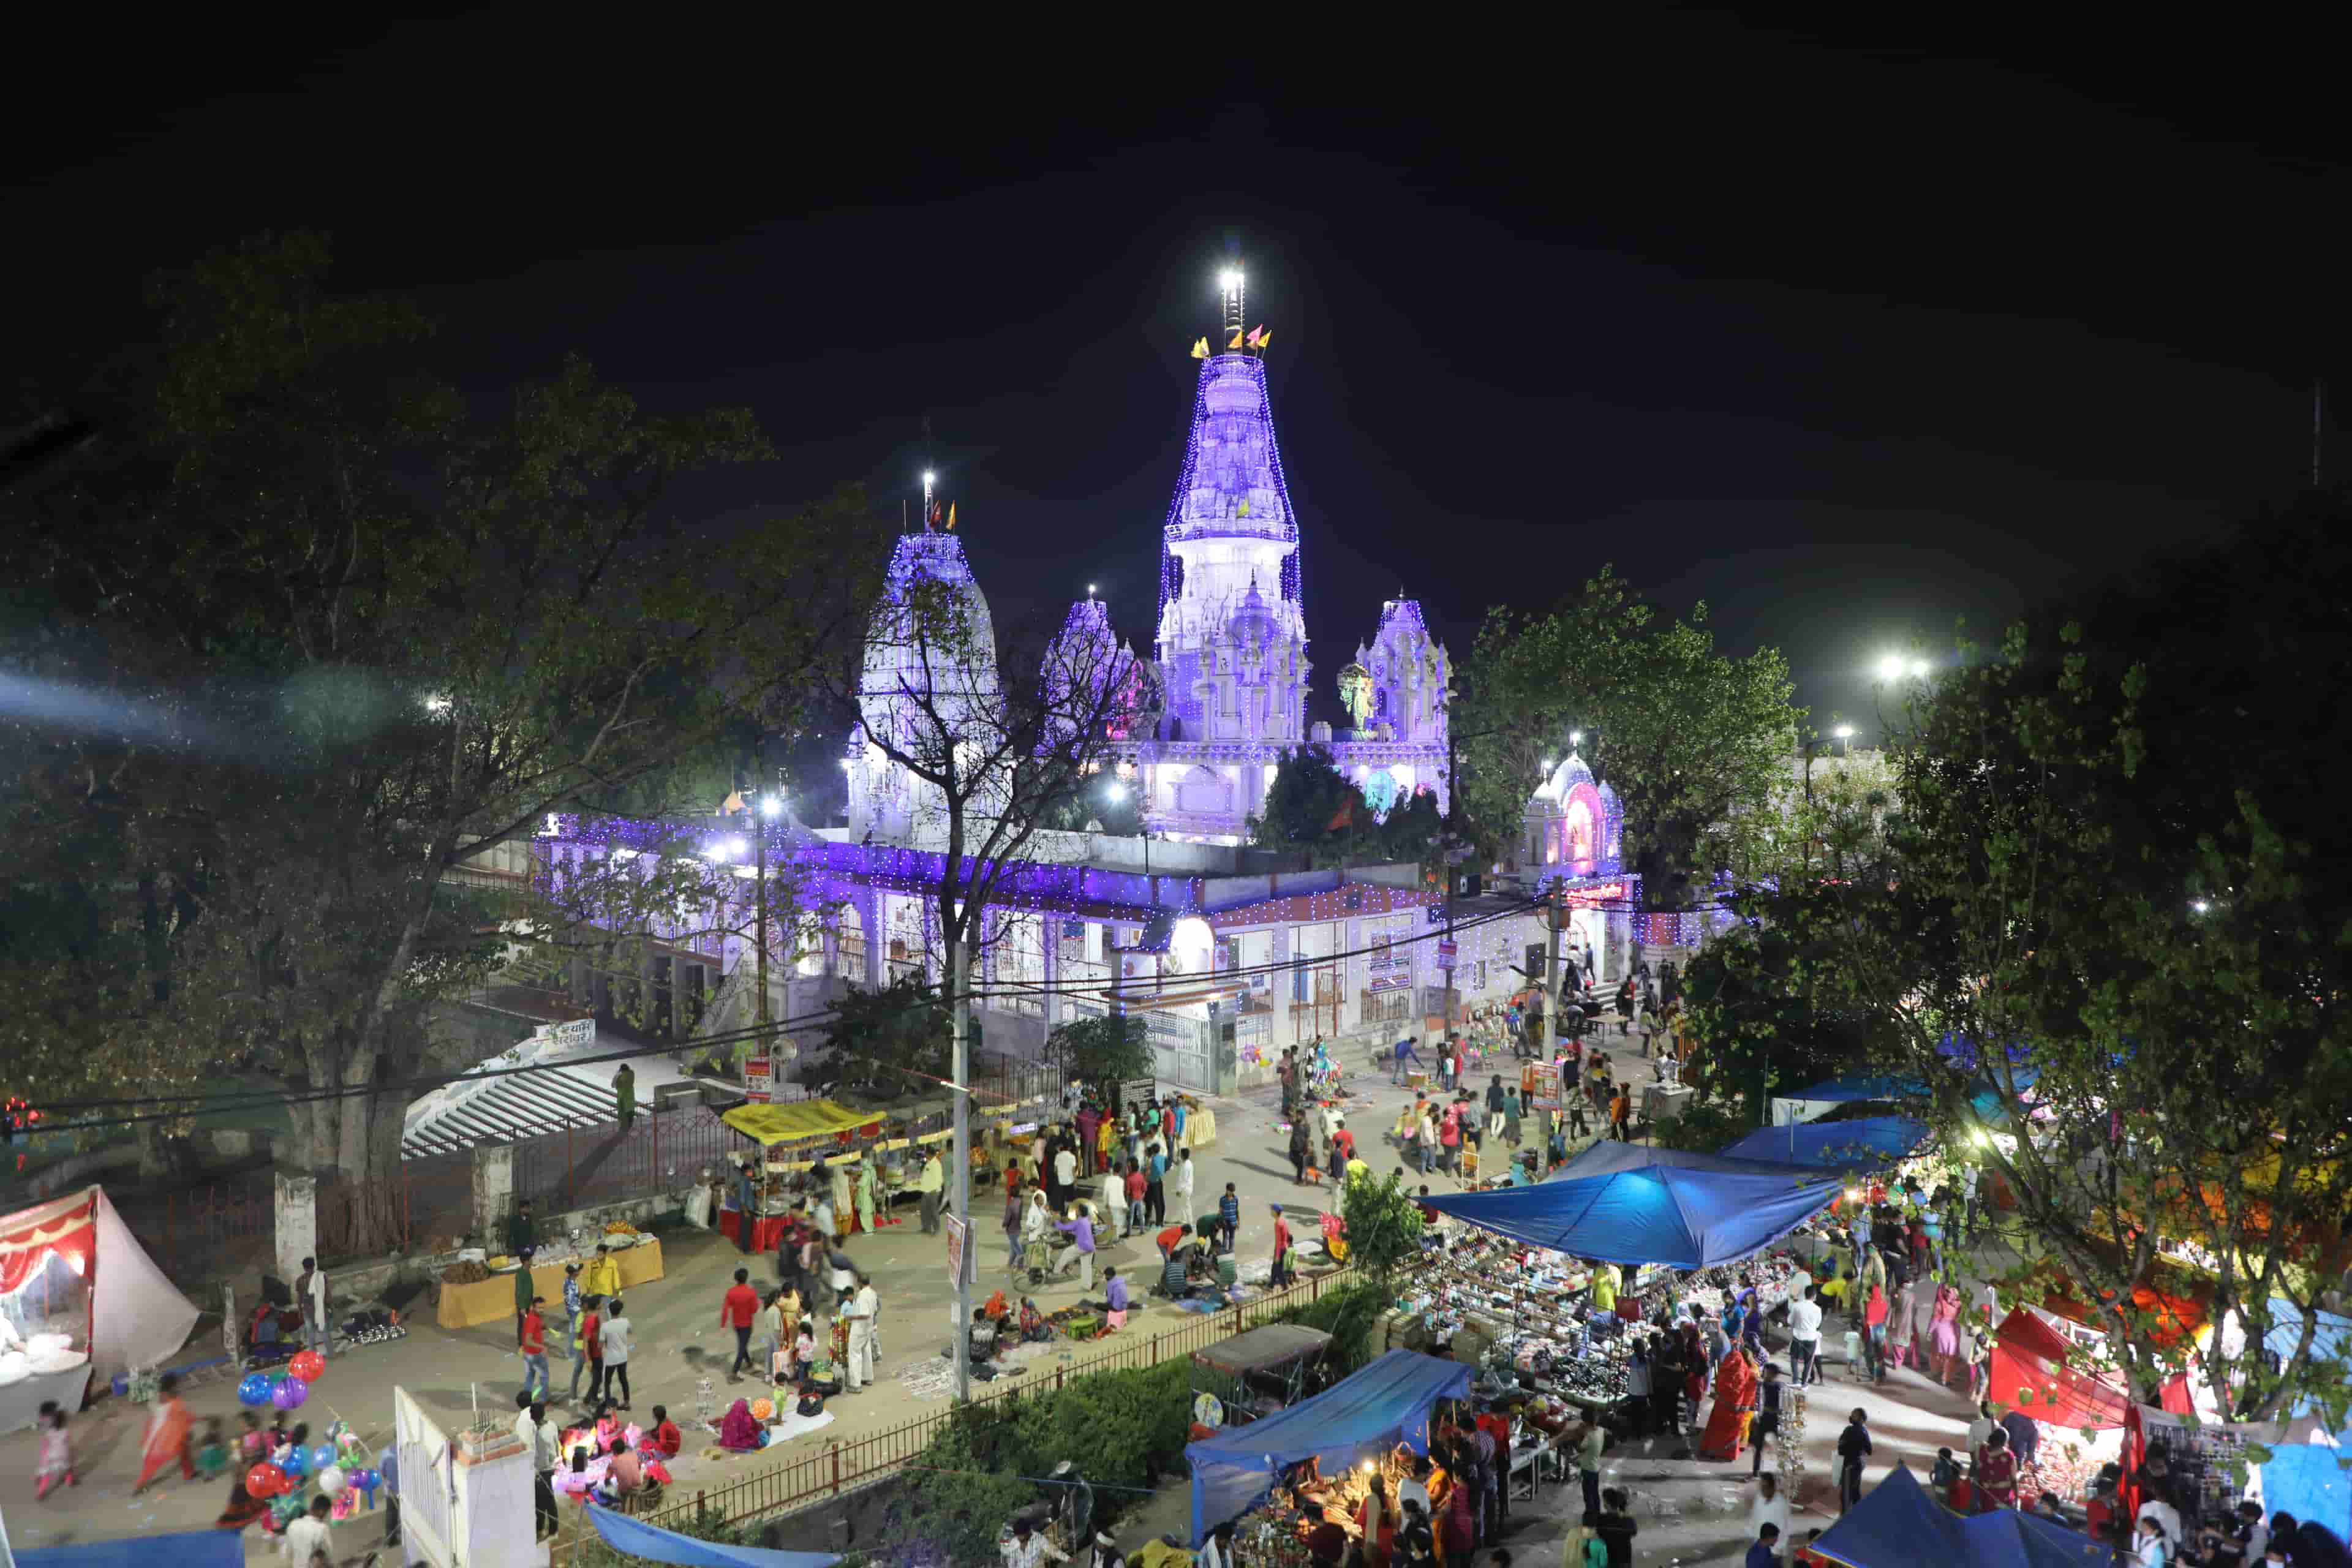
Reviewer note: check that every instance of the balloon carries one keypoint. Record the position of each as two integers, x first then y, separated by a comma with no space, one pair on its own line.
331,1480
263,1481
323,1458
290,1394
296,1464
254,1389
308,1365
762,1408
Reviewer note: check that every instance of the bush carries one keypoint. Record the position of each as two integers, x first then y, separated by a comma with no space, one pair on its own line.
1704,1127
1348,1314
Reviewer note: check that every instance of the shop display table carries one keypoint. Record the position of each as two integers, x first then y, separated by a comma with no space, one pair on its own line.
21,1401
1526,1470
1200,1128
493,1299
765,1233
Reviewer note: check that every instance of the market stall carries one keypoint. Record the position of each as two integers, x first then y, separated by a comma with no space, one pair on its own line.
2033,1372
1866,1142
789,1143
1362,1418
474,1291
80,1299
1899,1525
1677,1216
1254,1374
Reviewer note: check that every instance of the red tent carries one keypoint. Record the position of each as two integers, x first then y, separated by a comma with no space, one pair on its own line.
2030,1372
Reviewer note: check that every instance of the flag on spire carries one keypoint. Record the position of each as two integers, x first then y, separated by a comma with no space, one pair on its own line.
1256,336
1237,339
950,516
1264,338
1201,349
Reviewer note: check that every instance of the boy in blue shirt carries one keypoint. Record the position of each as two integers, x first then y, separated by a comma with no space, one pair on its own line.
1229,1218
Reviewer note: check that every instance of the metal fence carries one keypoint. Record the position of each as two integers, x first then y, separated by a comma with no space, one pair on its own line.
580,1166
192,1232
862,1461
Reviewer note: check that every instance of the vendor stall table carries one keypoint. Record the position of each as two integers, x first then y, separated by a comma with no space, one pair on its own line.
493,1300
765,1233
21,1401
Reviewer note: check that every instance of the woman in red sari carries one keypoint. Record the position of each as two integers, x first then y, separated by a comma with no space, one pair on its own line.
1735,1397
167,1434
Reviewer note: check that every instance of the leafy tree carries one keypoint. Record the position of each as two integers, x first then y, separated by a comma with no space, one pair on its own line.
1384,1225
2120,931
1102,1050
879,1038
1695,742
324,635
1312,807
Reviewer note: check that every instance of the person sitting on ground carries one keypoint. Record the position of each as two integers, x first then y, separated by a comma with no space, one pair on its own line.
665,1438
1114,1292
739,1431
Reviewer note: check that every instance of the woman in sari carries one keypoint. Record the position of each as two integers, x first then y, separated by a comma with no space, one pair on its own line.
1735,1397
166,1437
866,1194
242,1508
738,1432
845,1210
1695,1368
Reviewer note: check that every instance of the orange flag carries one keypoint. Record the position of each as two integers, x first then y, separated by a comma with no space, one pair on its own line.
1237,339
950,516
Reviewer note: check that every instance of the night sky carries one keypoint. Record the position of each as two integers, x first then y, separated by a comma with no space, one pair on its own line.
1845,344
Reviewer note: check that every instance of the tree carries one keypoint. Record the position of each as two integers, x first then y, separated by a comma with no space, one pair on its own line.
881,1037
329,634
1695,742
1384,1225
1313,808
2119,934
984,745
1102,1050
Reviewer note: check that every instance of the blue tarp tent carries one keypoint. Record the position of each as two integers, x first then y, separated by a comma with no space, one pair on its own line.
1900,1525
1659,1214
1609,1156
1358,1418
1863,1143
1849,1089
635,1538
190,1548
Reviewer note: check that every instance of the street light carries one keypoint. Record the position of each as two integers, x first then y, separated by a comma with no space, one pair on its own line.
1891,668
1576,737
1114,792
770,805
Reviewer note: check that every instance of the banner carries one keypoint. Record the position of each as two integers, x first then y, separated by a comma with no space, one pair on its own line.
759,1081
958,1260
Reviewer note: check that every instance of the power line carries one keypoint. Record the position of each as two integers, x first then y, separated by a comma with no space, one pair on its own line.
194,1104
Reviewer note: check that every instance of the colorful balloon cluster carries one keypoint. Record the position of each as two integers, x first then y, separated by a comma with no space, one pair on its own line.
285,1390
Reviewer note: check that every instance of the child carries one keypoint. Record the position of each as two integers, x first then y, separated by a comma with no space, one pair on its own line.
1229,1218
1033,1322
664,1439
212,1453
274,1440
1942,1474
252,1446
55,1462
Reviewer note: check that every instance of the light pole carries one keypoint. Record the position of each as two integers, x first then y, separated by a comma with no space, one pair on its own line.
1844,732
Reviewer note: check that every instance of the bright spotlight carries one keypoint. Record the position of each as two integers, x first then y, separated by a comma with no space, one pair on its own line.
928,477
2200,905
1919,669
436,705
735,848
846,764
1229,280
771,804
1843,731
1114,792
1891,668
1576,737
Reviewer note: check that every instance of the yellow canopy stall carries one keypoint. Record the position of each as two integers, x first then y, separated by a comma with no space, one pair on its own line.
773,1124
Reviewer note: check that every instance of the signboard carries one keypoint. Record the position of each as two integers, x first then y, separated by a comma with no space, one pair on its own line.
574,1034
1596,895
1445,951
759,1079
958,1255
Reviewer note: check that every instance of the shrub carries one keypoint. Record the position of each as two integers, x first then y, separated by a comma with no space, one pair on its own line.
1348,1314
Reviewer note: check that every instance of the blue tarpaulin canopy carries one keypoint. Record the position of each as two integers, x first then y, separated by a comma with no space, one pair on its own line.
1900,1525
190,1548
1609,1156
1688,1217
1360,1418
1845,1089
1863,1143
635,1538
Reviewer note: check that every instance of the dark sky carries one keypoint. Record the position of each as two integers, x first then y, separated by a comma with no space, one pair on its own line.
1845,343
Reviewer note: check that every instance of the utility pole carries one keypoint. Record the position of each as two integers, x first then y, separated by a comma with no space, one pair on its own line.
763,810
1453,870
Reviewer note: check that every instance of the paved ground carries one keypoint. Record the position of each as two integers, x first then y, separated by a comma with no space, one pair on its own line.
677,1321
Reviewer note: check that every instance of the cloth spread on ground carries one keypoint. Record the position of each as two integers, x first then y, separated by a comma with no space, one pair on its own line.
1385,1403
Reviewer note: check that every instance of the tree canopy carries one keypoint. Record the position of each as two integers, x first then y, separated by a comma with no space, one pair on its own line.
2108,931
1696,742
309,630
1313,808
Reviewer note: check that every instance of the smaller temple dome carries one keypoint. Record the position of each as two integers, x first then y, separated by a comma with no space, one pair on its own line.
1252,621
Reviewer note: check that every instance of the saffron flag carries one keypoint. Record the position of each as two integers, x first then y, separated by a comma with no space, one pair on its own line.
1264,338
1237,339
1242,509
950,516
1346,818
1201,349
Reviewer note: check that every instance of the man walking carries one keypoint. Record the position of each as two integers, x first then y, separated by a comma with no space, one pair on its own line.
929,1187
1805,1337
863,1306
736,1311
1279,1275
534,1346
1854,1451
625,1095
617,1346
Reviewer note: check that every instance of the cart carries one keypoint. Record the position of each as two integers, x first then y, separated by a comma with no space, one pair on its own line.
1255,1374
